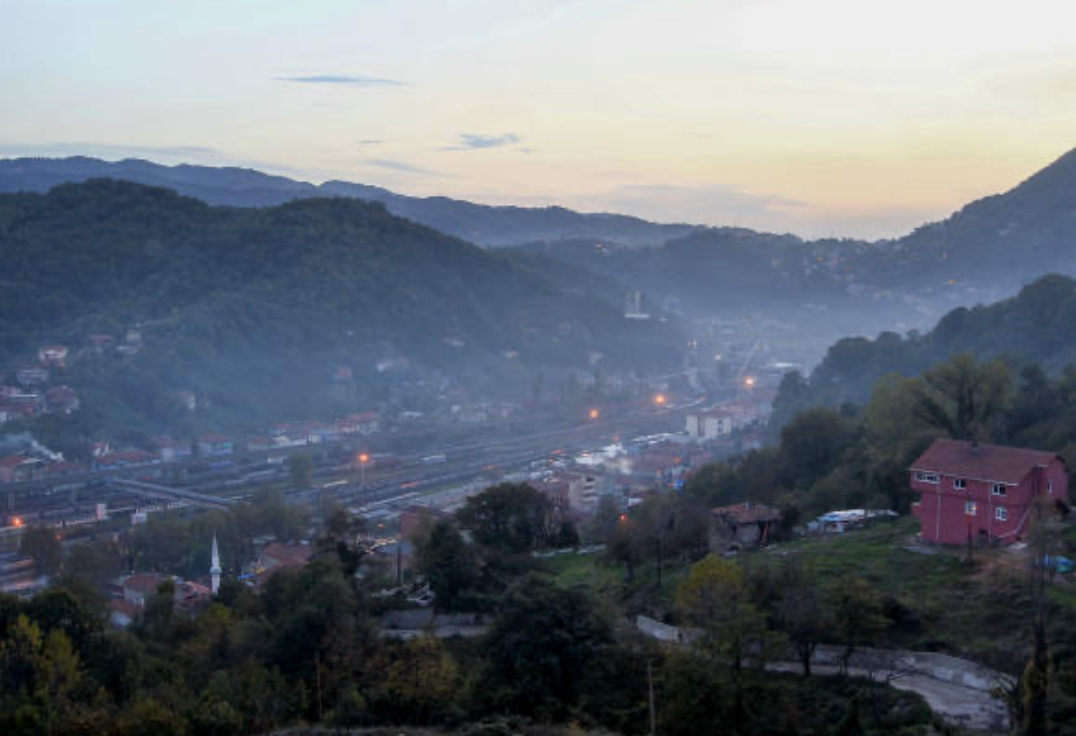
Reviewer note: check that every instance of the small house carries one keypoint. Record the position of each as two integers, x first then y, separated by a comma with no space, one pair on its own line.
744,525
214,445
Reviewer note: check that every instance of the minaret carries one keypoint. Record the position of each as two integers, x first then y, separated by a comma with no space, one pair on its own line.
214,568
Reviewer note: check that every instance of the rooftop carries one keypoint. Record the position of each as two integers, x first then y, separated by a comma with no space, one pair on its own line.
748,512
981,461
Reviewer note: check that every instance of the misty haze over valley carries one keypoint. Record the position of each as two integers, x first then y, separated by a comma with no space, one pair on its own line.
561,368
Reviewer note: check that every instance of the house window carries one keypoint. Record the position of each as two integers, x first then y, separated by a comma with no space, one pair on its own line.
998,490
926,477
1049,486
1001,513
971,508
960,483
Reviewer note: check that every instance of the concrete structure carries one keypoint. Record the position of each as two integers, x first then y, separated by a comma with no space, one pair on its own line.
740,526
585,487
708,426
971,492
214,567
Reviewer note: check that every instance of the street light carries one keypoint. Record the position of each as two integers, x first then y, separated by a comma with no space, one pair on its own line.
660,400
594,414
749,381
363,459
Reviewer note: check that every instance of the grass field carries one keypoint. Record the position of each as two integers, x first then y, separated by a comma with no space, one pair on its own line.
935,598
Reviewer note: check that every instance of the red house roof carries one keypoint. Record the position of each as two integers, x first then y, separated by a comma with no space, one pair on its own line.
981,462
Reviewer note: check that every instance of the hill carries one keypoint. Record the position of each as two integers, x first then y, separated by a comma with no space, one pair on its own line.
481,224
824,290
1038,325
257,310
819,290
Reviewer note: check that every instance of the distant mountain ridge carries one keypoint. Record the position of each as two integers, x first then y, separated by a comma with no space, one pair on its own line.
481,224
257,309
818,290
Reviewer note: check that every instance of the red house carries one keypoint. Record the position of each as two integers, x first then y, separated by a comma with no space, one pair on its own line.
982,492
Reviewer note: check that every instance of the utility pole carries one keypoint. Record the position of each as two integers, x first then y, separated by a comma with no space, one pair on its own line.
317,675
650,688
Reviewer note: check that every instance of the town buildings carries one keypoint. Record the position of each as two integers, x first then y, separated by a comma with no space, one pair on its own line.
972,492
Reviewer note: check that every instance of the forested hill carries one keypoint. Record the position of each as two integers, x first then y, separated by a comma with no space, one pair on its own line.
984,252
256,309
476,223
1036,326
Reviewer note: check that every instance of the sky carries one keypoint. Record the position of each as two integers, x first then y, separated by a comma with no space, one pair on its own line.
856,118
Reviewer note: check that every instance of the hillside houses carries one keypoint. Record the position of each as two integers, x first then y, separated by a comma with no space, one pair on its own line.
972,492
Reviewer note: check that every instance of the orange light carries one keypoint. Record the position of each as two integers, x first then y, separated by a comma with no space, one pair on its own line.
749,381
17,521
594,414
660,399
623,517
364,458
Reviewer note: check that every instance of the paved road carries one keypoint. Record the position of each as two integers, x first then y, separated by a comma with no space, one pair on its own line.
976,710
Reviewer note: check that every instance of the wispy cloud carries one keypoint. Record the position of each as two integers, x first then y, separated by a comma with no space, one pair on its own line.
402,166
348,80
370,142
479,141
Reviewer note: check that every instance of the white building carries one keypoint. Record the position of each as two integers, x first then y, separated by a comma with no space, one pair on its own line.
709,426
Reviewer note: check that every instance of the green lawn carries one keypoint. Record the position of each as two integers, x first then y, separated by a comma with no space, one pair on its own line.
936,601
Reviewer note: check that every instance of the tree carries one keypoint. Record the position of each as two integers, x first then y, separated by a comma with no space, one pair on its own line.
448,564
1045,539
423,684
715,598
627,545
964,398
801,615
856,611
813,443
300,468
606,518
42,545
540,647
509,517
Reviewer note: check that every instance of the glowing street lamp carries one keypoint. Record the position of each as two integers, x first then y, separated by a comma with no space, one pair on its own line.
17,522
660,400
594,414
363,459
749,382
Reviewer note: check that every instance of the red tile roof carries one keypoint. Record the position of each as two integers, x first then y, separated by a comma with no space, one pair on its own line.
748,512
213,438
144,582
14,461
278,555
981,462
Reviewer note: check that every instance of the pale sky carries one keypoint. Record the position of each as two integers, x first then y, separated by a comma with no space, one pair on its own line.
844,117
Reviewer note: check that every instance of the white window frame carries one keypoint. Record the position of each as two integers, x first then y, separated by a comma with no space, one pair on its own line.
999,489
1001,513
925,477
960,483
971,508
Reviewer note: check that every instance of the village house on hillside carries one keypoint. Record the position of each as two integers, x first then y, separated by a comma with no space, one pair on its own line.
977,492
742,525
